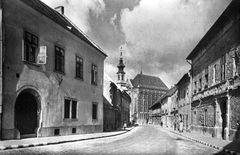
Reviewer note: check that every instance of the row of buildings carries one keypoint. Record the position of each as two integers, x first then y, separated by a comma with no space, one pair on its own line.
207,98
116,100
52,76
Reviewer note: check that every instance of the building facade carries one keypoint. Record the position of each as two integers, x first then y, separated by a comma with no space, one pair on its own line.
116,105
184,102
110,110
145,91
164,109
215,78
52,74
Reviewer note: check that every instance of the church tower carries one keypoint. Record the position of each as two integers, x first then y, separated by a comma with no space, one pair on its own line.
121,73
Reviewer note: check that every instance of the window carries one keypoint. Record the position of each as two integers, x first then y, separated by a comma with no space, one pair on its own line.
195,86
94,110
200,84
79,67
56,132
70,109
94,74
214,73
30,47
223,62
59,59
206,81
205,117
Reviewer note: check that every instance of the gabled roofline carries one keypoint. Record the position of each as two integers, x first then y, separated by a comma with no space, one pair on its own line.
233,6
90,40
84,38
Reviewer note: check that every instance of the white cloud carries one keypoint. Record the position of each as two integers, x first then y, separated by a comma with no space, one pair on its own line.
160,34
112,20
79,10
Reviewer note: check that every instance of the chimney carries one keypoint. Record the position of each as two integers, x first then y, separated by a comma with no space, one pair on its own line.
60,9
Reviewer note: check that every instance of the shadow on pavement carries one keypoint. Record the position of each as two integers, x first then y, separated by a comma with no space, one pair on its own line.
234,146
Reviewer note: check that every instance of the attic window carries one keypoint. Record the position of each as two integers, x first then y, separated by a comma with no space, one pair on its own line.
69,27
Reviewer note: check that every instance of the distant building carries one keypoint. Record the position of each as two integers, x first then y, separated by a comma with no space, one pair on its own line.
161,110
116,100
183,100
110,108
144,90
215,78
51,74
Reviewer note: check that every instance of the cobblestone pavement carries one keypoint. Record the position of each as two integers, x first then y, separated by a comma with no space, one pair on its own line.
145,140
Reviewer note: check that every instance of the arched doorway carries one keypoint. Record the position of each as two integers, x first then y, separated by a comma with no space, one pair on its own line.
26,113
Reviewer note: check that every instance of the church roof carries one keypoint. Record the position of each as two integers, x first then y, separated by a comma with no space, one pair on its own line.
61,20
147,81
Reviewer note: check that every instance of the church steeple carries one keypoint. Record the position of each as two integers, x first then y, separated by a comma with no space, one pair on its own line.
121,73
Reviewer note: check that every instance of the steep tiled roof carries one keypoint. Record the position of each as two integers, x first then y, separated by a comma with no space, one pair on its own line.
61,20
148,81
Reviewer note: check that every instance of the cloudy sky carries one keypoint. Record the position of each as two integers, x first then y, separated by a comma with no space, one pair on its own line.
155,35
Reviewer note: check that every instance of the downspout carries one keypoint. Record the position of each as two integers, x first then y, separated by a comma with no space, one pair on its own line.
191,88
1,70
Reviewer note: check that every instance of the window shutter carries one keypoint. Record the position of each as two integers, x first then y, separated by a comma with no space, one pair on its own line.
23,52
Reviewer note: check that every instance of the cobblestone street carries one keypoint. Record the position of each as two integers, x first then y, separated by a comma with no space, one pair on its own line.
141,140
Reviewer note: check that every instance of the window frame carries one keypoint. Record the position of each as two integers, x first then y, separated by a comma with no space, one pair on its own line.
94,74
223,67
62,65
71,110
31,44
214,73
94,113
81,67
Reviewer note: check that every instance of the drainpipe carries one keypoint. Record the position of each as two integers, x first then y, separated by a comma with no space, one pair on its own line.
226,136
190,99
1,70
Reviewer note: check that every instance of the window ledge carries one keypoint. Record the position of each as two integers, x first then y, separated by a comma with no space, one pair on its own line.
63,73
31,63
94,120
78,78
70,119
94,84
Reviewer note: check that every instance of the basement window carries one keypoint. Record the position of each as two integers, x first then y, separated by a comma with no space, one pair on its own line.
56,132
74,130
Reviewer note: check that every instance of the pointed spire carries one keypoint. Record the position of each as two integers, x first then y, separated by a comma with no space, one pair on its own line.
121,52
121,73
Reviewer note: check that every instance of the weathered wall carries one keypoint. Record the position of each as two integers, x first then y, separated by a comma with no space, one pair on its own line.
226,39
224,42
235,115
53,87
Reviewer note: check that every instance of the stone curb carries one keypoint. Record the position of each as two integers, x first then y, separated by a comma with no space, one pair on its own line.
58,142
210,145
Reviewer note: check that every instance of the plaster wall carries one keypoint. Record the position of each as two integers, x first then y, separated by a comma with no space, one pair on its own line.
52,86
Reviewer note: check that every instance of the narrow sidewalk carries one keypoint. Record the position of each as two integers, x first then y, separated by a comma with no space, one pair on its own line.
32,142
231,147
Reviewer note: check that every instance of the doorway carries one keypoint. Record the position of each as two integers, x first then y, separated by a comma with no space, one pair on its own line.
223,107
26,114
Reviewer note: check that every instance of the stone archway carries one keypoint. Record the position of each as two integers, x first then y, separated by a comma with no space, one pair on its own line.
27,108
